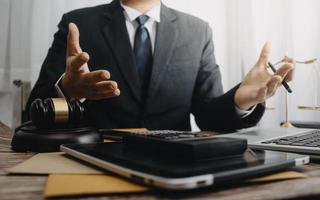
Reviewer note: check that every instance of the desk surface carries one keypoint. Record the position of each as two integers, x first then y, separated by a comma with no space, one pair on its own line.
31,187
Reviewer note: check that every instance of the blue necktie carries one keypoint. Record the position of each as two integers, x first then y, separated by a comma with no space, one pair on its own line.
143,53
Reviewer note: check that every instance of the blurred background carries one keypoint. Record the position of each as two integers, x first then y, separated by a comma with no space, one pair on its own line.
240,27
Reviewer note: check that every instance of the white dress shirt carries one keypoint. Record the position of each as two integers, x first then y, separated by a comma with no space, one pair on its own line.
131,15
151,24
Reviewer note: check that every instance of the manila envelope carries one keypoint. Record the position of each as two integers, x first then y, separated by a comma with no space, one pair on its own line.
75,185
280,176
58,163
54,163
59,185
72,177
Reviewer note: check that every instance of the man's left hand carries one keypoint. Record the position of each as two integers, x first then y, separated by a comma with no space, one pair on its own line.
259,84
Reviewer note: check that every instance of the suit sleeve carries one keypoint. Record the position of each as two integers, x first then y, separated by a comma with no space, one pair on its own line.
53,66
214,110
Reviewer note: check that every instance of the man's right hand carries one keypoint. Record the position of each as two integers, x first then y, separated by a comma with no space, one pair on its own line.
78,82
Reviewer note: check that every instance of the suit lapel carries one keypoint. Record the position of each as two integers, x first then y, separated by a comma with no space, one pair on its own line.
166,36
115,32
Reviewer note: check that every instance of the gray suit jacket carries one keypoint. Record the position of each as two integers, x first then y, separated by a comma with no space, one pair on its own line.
185,77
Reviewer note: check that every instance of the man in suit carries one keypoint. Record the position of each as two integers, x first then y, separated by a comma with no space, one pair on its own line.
163,63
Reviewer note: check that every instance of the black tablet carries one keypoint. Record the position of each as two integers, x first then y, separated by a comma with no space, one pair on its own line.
174,174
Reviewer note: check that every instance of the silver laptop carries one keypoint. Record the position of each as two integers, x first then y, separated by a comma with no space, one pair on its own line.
303,141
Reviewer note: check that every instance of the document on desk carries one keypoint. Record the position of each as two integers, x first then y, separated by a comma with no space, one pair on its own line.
64,185
71,177
54,163
59,185
280,176
58,163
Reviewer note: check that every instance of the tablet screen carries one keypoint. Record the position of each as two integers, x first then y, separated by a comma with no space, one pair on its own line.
116,153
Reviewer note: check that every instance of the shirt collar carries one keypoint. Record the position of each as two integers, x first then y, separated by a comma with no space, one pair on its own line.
132,14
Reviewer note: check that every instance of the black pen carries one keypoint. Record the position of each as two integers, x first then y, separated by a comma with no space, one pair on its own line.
285,84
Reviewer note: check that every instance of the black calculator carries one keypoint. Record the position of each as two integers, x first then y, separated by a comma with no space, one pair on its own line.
184,145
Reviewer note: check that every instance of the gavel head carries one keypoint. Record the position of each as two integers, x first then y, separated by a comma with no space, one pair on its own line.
56,112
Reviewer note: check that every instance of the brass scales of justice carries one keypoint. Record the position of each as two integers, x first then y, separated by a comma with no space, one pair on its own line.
316,106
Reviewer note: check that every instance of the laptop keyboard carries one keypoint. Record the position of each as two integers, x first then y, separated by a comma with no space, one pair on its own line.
310,139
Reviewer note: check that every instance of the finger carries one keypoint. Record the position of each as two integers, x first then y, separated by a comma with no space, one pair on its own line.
264,55
273,84
290,75
78,61
96,76
105,87
73,46
261,93
284,70
96,96
274,81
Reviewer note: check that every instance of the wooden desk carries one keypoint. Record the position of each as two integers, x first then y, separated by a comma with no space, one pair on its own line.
31,187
